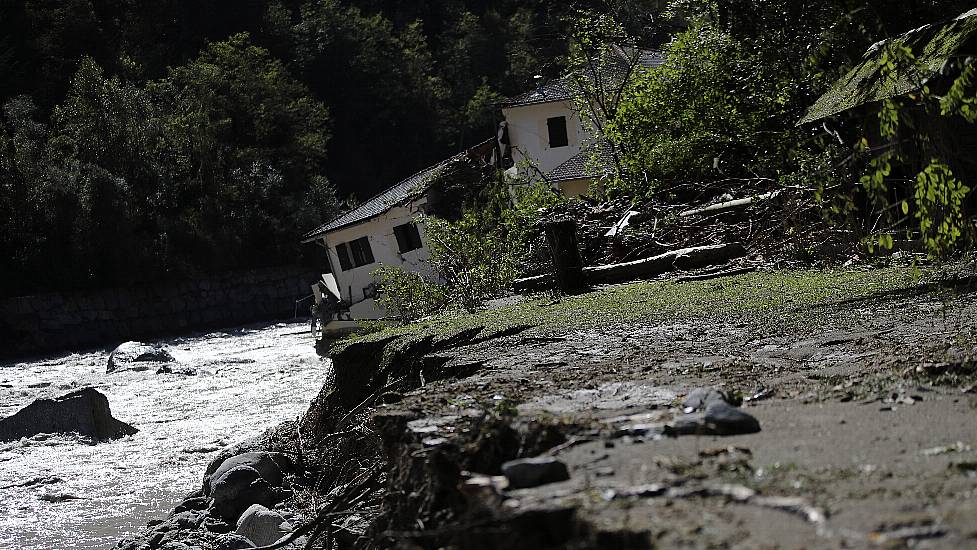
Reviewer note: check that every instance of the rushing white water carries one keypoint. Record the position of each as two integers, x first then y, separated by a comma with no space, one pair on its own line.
247,380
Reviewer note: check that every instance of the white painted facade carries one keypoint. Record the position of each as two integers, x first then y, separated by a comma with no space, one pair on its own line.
534,156
529,137
355,284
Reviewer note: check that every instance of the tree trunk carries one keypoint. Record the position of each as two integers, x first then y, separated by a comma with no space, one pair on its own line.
567,265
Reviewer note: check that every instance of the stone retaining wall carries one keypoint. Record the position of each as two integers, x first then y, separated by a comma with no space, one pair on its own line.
63,321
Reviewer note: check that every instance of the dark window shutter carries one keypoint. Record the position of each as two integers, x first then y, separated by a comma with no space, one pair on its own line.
367,251
343,251
557,127
415,237
408,237
402,243
362,254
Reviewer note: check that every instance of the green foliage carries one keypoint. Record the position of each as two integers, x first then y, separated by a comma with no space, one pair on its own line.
675,120
520,220
474,258
214,167
912,142
474,264
407,294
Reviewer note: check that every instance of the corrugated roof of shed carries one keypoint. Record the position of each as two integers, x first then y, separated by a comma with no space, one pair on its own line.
932,45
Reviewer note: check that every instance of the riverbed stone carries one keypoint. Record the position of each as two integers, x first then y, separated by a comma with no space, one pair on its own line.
137,356
186,520
233,541
193,503
725,419
719,418
237,489
262,526
532,472
270,466
85,412
700,398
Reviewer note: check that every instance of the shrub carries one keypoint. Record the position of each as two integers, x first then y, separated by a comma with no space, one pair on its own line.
475,264
407,294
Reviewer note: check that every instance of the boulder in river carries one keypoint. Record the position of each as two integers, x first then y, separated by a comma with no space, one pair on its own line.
246,479
84,411
270,466
137,356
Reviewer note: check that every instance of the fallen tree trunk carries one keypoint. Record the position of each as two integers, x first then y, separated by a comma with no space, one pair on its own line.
685,258
527,285
721,207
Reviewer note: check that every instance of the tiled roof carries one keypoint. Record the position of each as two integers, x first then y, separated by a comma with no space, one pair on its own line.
555,90
405,191
562,89
583,165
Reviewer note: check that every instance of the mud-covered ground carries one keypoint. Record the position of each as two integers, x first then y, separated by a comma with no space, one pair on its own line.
866,402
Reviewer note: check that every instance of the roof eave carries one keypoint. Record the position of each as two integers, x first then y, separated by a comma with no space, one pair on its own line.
509,105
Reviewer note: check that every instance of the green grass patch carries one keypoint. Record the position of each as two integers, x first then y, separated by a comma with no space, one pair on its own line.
658,301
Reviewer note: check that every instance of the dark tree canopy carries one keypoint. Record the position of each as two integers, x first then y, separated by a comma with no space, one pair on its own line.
144,140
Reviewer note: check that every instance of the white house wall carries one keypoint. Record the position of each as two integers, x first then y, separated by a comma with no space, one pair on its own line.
383,243
529,136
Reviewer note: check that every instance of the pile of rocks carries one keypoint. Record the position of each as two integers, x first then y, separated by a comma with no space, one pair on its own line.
233,510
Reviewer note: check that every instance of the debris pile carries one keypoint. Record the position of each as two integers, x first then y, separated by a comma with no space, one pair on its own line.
779,229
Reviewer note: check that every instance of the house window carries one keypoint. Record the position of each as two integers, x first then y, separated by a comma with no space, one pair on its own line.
557,127
342,250
355,253
408,237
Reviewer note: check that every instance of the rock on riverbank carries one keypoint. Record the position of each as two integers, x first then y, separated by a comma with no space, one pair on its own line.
85,412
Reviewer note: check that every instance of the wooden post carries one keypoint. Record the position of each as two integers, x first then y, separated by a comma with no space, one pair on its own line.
567,265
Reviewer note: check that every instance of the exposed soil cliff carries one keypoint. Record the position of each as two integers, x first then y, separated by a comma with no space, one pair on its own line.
861,383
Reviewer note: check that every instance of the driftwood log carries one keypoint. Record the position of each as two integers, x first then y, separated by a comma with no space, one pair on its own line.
721,207
538,283
685,259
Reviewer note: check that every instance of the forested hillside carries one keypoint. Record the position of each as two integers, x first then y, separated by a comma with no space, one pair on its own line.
147,140
141,140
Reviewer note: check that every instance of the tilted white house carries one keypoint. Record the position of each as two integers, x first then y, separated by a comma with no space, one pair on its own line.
544,136
384,230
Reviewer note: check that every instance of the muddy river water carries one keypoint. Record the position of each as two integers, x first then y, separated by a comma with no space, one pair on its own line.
61,491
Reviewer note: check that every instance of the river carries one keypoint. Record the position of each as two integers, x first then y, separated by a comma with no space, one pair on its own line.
247,380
